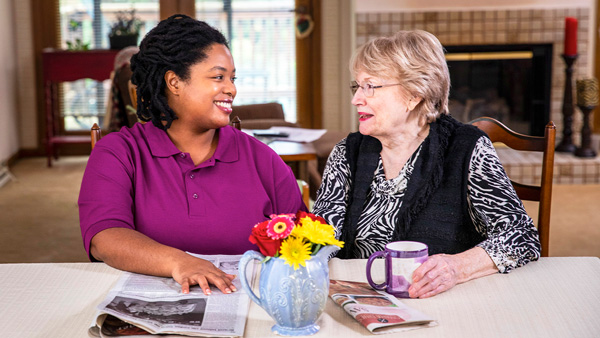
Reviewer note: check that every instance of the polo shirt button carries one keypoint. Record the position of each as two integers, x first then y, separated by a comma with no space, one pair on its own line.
182,155
195,196
192,176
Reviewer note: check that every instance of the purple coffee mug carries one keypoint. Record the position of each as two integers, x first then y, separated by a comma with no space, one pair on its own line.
401,260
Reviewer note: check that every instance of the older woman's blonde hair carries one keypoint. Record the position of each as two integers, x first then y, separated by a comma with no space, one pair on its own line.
415,59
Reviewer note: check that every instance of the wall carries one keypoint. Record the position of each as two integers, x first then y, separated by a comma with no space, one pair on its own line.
26,84
337,45
372,6
9,138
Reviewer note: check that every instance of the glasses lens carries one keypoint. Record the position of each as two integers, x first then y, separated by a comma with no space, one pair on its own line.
369,90
354,87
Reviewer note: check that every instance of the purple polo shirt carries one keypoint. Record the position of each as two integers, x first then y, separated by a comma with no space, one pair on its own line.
136,178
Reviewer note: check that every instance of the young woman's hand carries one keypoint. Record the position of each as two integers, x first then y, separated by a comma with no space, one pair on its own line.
195,271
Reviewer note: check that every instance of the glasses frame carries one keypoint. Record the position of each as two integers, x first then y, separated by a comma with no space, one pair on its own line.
368,89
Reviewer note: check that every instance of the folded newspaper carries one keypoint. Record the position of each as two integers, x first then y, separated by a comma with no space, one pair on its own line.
377,311
141,305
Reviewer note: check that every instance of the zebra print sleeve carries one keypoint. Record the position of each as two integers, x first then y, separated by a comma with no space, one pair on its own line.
332,196
498,213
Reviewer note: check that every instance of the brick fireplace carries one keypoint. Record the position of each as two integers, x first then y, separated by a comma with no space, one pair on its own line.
496,27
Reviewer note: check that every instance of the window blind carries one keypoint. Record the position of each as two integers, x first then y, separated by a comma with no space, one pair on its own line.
262,41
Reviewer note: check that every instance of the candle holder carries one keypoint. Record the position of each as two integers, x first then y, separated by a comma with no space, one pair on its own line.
566,144
586,149
587,100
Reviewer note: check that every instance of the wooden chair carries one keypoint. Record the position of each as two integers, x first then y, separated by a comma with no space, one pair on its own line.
236,122
262,115
305,192
96,134
131,88
498,132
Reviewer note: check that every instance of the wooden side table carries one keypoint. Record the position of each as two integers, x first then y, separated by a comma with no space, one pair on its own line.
64,66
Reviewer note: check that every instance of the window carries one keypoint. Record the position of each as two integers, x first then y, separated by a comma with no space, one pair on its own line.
87,22
260,34
262,41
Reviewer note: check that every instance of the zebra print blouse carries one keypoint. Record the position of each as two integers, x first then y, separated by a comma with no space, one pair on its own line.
494,207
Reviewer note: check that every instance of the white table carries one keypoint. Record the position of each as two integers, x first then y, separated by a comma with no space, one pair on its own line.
554,297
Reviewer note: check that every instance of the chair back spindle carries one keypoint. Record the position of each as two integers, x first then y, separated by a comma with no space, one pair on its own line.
96,134
236,123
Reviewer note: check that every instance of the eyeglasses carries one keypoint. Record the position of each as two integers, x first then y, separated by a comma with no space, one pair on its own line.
368,89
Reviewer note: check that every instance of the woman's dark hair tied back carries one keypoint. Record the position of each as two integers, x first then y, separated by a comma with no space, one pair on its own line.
174,44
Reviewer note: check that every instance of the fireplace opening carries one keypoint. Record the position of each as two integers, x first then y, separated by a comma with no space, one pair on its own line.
508,82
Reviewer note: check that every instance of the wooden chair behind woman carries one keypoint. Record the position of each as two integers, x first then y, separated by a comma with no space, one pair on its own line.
96,134
498,132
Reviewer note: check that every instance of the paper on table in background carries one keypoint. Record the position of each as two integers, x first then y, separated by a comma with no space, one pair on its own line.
302,135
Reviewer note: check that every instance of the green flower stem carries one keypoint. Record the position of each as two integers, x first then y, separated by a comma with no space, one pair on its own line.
316,249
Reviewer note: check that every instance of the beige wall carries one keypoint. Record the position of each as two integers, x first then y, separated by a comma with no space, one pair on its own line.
19,127
9,138
371,6
337,45
26,93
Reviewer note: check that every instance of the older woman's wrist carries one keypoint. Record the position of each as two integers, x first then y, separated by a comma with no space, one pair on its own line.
473,263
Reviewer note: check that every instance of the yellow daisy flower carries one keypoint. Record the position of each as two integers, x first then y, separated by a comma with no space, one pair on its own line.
332,241
295,252
315,231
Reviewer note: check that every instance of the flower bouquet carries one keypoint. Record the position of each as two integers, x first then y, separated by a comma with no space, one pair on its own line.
294,278
294,238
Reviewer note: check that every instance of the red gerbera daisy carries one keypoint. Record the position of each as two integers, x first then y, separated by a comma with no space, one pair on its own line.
280,226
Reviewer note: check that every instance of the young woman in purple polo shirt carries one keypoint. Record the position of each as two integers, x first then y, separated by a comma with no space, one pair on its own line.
184,181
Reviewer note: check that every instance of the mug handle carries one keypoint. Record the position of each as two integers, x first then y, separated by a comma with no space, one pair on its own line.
369,263
247,258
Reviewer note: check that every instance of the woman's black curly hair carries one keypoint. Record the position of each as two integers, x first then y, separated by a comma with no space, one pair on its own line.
174,44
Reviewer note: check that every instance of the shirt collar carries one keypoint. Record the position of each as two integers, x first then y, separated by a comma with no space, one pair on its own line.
161,145
228,147
159,142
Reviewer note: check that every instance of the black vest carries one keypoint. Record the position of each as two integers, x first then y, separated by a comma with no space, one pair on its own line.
434,208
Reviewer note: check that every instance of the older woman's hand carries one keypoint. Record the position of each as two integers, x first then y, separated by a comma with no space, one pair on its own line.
442,272
438,274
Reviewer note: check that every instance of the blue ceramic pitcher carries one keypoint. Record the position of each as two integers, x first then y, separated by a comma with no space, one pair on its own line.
293,298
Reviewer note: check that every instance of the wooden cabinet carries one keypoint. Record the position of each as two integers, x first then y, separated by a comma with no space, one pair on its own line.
63,66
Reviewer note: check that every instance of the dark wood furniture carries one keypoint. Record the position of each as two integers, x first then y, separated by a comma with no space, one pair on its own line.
498,132
64,66
96,134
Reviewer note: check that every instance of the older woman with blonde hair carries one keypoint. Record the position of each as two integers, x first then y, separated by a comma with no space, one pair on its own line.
413,172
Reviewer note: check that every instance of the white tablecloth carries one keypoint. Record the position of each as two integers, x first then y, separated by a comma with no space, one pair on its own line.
554,297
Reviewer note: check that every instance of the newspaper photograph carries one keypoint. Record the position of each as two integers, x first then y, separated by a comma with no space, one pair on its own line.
378,311
141,304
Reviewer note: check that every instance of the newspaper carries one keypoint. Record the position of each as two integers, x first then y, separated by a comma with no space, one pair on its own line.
289,134
377,311
144,305
301,135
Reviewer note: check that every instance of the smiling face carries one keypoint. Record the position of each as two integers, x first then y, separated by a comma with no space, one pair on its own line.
380,115
203,101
